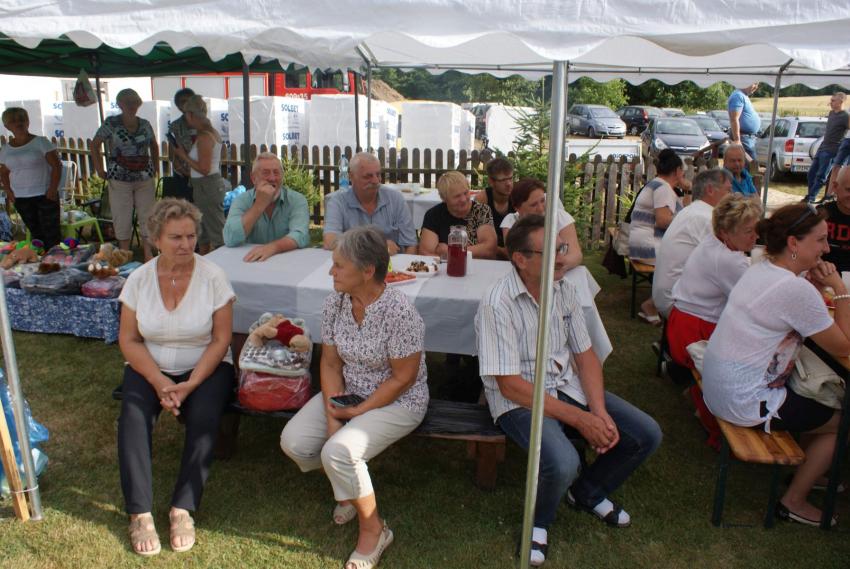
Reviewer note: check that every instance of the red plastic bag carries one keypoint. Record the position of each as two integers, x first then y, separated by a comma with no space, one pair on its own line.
266,392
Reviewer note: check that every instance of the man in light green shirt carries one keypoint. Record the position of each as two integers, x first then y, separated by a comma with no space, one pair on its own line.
273,217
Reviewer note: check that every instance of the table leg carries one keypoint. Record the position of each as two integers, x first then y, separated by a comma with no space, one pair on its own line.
837,458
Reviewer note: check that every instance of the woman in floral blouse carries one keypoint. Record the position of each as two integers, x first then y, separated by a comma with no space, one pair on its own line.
131,161
372,347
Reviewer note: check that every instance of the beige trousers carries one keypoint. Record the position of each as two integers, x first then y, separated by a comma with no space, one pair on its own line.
123,198
344,455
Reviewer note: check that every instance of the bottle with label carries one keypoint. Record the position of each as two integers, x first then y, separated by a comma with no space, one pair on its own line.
343,174
458,241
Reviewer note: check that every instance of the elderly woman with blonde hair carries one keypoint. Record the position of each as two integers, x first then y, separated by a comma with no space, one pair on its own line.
131,166
204,160
458,209
176,323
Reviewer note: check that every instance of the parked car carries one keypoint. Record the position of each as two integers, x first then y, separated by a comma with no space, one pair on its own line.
673,112
722,118
715,134
792,141
637,117
765,122
595,121
682,135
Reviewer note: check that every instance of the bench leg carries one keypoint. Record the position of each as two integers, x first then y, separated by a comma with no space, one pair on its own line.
228,434
634,293
662,348
720,487
773,497
487,458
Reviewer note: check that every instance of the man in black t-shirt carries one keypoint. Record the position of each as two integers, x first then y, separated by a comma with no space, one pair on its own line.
838,223
497,195
837,124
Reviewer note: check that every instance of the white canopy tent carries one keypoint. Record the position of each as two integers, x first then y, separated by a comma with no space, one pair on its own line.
701,40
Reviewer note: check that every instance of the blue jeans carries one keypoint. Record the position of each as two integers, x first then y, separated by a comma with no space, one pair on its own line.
560,463
748,141
817,172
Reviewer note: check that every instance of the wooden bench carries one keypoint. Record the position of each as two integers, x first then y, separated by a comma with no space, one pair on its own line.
641,272
454,420
752,444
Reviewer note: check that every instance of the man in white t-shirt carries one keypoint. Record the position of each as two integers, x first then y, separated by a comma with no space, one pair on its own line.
687,229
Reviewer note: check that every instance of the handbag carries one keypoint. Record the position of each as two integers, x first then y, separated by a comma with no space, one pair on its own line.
814,379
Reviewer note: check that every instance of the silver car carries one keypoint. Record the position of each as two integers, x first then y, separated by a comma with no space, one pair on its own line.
792,139
682,136
595,121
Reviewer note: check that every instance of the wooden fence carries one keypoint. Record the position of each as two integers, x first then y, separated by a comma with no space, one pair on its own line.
606,185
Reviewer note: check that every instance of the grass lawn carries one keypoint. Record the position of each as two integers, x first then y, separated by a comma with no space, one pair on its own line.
260,511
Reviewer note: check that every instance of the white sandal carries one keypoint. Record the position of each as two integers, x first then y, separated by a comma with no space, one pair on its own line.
344,514
369,561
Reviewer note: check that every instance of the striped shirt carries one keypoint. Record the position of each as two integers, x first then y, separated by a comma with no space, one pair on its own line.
506,325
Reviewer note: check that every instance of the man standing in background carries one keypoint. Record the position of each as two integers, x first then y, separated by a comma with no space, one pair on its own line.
744,122
837,123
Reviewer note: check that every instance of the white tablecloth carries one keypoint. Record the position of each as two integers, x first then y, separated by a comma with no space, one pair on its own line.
418,202
297,283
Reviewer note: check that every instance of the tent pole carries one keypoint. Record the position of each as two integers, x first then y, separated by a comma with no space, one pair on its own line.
246,123
17,398
555,184
356,114
95,60
768,171
368,106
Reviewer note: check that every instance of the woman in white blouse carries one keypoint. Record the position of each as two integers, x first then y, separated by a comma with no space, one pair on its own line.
204,159
710,273
529,197
372,348
752,352
176,325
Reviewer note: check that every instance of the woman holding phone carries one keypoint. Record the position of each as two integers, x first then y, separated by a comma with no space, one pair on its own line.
372,347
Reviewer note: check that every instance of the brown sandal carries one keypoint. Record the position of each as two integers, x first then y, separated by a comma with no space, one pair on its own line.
141,530
182,525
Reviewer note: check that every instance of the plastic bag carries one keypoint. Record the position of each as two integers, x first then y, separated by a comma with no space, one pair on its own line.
273,357
67,257
230,196
12,277
83,93
110,287
127,268
266,392
37,434
66,281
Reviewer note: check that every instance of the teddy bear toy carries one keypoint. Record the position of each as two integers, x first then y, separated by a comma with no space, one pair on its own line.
20,255
107,260
281,329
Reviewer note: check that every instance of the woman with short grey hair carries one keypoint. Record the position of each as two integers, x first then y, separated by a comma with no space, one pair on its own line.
374,386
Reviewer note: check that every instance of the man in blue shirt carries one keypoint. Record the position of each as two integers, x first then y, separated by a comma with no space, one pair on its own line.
744,122
367,202
734,160
270,215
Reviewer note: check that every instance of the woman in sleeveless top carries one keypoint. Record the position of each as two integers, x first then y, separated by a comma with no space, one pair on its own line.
207,184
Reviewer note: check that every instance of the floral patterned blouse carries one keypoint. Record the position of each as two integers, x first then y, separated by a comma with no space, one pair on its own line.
440,221
128,153
391,329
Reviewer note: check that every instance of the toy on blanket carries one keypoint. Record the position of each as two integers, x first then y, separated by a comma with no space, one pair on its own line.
20,254
107,260
278,346
281,329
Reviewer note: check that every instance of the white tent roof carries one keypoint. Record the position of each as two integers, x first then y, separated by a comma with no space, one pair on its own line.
735,40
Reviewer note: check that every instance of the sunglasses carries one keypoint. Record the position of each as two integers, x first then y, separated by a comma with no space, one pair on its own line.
561,249
810,210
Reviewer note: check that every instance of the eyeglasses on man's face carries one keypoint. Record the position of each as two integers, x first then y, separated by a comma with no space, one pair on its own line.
561,249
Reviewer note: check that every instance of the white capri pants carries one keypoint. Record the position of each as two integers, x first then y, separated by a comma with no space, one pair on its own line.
344,455
126,196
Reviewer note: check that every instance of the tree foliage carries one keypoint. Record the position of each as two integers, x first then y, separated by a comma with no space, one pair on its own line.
686,95
588,91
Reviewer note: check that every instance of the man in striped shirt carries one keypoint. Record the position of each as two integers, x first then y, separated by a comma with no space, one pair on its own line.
576,402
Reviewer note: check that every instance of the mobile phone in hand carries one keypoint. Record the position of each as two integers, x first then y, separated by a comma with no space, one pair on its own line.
349,400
